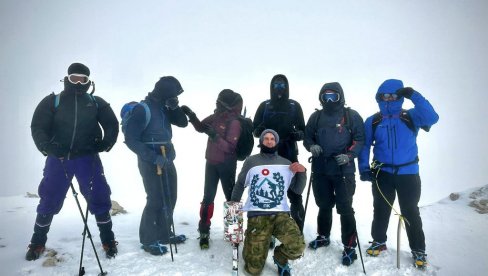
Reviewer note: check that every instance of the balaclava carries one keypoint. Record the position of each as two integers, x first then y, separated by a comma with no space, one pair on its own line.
265,149
279,89
329,106
165,88
228,100
77,68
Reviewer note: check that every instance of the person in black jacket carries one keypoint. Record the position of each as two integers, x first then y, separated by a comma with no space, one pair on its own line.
285,116
147,139
334,136
66,129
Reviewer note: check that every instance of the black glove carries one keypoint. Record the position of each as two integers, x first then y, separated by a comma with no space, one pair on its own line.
316,150
191,115
366,176
172,103
406,92
102,146
257,131
54,149
297,135
210,131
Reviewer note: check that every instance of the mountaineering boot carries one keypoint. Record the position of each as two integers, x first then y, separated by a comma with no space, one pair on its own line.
156,248
419,258
283,270
348,255
204,237
34,252
110,249
376,248
177,239
320,241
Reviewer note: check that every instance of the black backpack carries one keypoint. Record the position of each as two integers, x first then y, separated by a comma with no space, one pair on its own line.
245,143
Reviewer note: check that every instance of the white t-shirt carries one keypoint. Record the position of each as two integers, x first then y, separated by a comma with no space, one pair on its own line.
267,188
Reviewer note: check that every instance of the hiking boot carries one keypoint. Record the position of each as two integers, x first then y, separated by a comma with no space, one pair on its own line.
110,249
419,259
375,248
348,256
204,243
34,252
283,270
177,239
320,241
156,248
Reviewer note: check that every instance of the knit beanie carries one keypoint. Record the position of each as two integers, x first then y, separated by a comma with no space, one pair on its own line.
275,134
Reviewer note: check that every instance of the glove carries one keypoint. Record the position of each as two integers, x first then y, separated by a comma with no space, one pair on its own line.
210,131
316,150
366,176
188,112
342,159
160,161
172,103
297,135
406,92
54,149
102,146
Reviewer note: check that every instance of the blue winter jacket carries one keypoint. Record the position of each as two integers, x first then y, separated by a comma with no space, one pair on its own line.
393,142
146,141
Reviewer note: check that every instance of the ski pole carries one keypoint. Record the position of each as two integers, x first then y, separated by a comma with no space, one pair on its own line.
308,191
75,195
165,203
163,150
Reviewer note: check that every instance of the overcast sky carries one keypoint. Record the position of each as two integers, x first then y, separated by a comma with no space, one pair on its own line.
436,47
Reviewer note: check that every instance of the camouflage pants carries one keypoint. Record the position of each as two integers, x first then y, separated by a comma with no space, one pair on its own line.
258,236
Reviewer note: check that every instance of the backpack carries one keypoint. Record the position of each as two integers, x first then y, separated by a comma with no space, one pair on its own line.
58,96
245,143
404,117
267,114
127,111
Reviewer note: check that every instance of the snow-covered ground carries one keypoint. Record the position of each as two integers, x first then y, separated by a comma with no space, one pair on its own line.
455,233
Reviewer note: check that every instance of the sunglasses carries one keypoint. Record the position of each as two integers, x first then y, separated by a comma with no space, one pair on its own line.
279,85
78,78
389,97
330,97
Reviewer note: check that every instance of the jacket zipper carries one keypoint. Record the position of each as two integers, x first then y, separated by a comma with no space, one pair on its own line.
74,126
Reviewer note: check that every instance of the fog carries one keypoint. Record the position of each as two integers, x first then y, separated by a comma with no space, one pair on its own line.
436,47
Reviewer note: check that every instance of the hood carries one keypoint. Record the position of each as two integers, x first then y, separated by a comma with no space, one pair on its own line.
334,86
165,88
389,86
77,68
285,92
229,101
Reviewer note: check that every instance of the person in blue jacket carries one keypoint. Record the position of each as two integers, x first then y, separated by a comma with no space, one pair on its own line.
146,141
393,135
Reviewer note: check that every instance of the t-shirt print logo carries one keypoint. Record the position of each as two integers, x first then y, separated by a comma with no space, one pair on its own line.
267,191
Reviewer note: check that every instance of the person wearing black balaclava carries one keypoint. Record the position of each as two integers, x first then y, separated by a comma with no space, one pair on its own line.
285,116
334,136
67,128
146,139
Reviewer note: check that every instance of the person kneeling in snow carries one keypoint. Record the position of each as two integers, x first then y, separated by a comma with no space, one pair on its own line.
269,176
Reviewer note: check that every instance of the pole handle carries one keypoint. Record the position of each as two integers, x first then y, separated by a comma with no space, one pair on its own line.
159,170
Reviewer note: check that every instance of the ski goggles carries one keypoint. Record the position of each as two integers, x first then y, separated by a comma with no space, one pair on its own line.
78,78
279,85
330,96
388,97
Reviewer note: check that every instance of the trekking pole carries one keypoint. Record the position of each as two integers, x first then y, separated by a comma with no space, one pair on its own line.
163,150
165,204
81,270
308,191
360,252
75,195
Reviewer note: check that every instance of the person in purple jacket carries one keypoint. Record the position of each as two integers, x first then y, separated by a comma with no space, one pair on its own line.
223,129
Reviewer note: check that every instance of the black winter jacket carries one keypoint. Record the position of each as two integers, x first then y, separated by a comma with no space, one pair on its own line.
72,129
